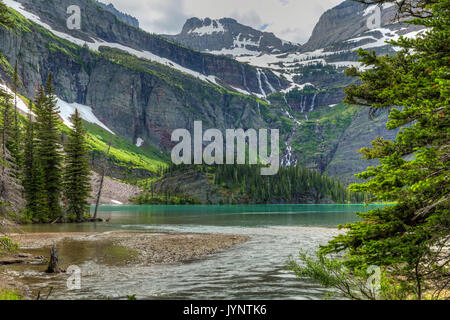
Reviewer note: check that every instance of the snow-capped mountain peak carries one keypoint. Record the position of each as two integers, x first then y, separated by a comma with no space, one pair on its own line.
227,36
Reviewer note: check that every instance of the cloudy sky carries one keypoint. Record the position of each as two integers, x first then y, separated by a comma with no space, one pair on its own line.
289,19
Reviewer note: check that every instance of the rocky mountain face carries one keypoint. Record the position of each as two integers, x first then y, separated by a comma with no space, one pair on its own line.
137,98
325,136
132,21
228,37
101,28
143,86
349,20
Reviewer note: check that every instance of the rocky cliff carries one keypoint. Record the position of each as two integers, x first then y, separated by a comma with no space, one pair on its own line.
132,21
228,37
102,28
136,98
142,86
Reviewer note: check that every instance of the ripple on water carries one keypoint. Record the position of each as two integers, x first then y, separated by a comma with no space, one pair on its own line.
251,270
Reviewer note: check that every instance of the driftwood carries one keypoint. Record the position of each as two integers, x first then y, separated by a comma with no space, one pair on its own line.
53,265
21,258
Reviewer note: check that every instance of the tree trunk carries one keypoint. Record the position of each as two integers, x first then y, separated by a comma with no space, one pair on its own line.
97,203
53,265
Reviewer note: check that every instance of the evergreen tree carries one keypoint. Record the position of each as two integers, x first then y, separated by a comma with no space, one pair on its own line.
10,188
49,146
15,146
77,185
33,177
6,122
409,239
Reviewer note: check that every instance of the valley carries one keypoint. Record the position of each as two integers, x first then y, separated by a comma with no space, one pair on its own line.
214,159
293,91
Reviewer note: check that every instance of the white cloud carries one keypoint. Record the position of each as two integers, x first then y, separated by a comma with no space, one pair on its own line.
291,20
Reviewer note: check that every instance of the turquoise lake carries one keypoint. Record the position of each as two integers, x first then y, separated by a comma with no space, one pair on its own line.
252,270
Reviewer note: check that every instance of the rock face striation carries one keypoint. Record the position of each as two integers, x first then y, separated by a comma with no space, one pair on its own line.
144,86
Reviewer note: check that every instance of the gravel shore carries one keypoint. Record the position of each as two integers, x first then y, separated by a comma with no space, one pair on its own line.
151,248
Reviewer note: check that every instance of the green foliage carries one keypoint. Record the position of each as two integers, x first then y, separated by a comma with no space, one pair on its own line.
16,130
293,184
123,153
7,245
9,295
5,66
49,146
7,123
167,198
410,238
321,135
33,178
5,18
333,273
77,185
244,184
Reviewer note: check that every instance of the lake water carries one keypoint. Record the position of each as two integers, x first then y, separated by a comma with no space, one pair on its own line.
252,270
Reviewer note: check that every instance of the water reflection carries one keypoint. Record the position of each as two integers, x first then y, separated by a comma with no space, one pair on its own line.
252,270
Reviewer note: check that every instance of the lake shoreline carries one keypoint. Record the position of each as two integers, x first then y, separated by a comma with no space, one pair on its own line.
143,242
145,248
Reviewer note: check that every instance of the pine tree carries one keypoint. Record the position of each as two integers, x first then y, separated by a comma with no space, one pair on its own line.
49,146
407,239
15,146
10,188
77,187
33,177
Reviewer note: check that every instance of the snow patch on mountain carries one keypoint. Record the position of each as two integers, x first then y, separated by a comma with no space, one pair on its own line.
97,43
68,109
21,104
139,142
215,27
386,35
239,47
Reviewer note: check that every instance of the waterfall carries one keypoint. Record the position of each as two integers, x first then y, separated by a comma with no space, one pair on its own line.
288,114
244,76
313,102
303,101
272,89
258,75
289,158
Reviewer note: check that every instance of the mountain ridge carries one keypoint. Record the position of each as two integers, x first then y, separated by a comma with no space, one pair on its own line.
142,96
127,18
229,37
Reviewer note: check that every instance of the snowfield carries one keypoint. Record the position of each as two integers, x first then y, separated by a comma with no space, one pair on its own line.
97,43
283,65
21,105
68,109
214,27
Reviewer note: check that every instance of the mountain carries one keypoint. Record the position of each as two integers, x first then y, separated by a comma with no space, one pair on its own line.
141,86
100,28
228,37
132,21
